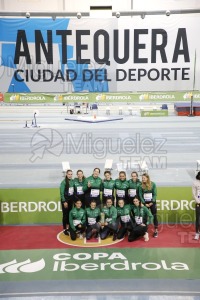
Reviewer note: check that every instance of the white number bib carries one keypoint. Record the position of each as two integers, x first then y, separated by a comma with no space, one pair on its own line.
91,221
107,192
94,193
71,191
79,190
125,219
76,222
108,220
138,220
121,193
132,192
148,197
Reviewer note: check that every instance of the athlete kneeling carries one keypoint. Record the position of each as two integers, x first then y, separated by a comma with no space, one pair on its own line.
92,218
77,220
109,224
124,215
142,217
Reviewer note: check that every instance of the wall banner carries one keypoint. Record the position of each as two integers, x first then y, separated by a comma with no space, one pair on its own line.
35,98
101,55
42,206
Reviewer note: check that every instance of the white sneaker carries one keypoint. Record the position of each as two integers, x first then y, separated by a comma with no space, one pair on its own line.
196,237
80,236
146,237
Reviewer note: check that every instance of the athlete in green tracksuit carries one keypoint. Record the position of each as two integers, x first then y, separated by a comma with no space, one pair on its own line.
147,195
78,187
110,220
67,199
121,186
124,217
93,215
142,217
108,187
92,188
77,220
133,190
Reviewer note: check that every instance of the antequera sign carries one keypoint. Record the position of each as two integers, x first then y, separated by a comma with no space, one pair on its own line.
101,56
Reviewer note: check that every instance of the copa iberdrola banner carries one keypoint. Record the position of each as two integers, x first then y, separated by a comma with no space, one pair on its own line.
102,55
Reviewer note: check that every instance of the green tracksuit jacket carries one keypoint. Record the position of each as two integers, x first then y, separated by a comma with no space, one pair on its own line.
92,215
65,194
107,186
78,186
96,183
124,213
110,214
133,185
141,215
76,217
152,192
121,186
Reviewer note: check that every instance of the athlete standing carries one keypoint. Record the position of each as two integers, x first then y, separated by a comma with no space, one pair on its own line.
196,195
147,195
67,199
121,186
92,188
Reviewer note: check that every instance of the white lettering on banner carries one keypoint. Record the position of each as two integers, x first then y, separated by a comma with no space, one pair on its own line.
100,58
175,204
74,263
61,265
17,207
41,206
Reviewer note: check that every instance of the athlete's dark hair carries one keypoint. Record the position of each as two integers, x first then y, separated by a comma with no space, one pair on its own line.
122,172
80,171
77,199
140,203
93,201
134,172
97,169
107,172
67,180
198,176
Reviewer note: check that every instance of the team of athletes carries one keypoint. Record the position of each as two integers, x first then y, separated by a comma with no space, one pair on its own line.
98,208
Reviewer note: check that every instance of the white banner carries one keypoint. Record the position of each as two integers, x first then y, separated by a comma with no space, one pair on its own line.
157,53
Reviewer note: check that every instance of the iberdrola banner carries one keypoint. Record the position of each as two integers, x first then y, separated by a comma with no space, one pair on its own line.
69,55
35,98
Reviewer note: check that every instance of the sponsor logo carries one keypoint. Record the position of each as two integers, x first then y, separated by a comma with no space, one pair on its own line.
14,98
97,261
25,266
187,95
52,206
104,97
58,98
30,207
144,97
101,97
156,97
26,98
116,261
76,98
